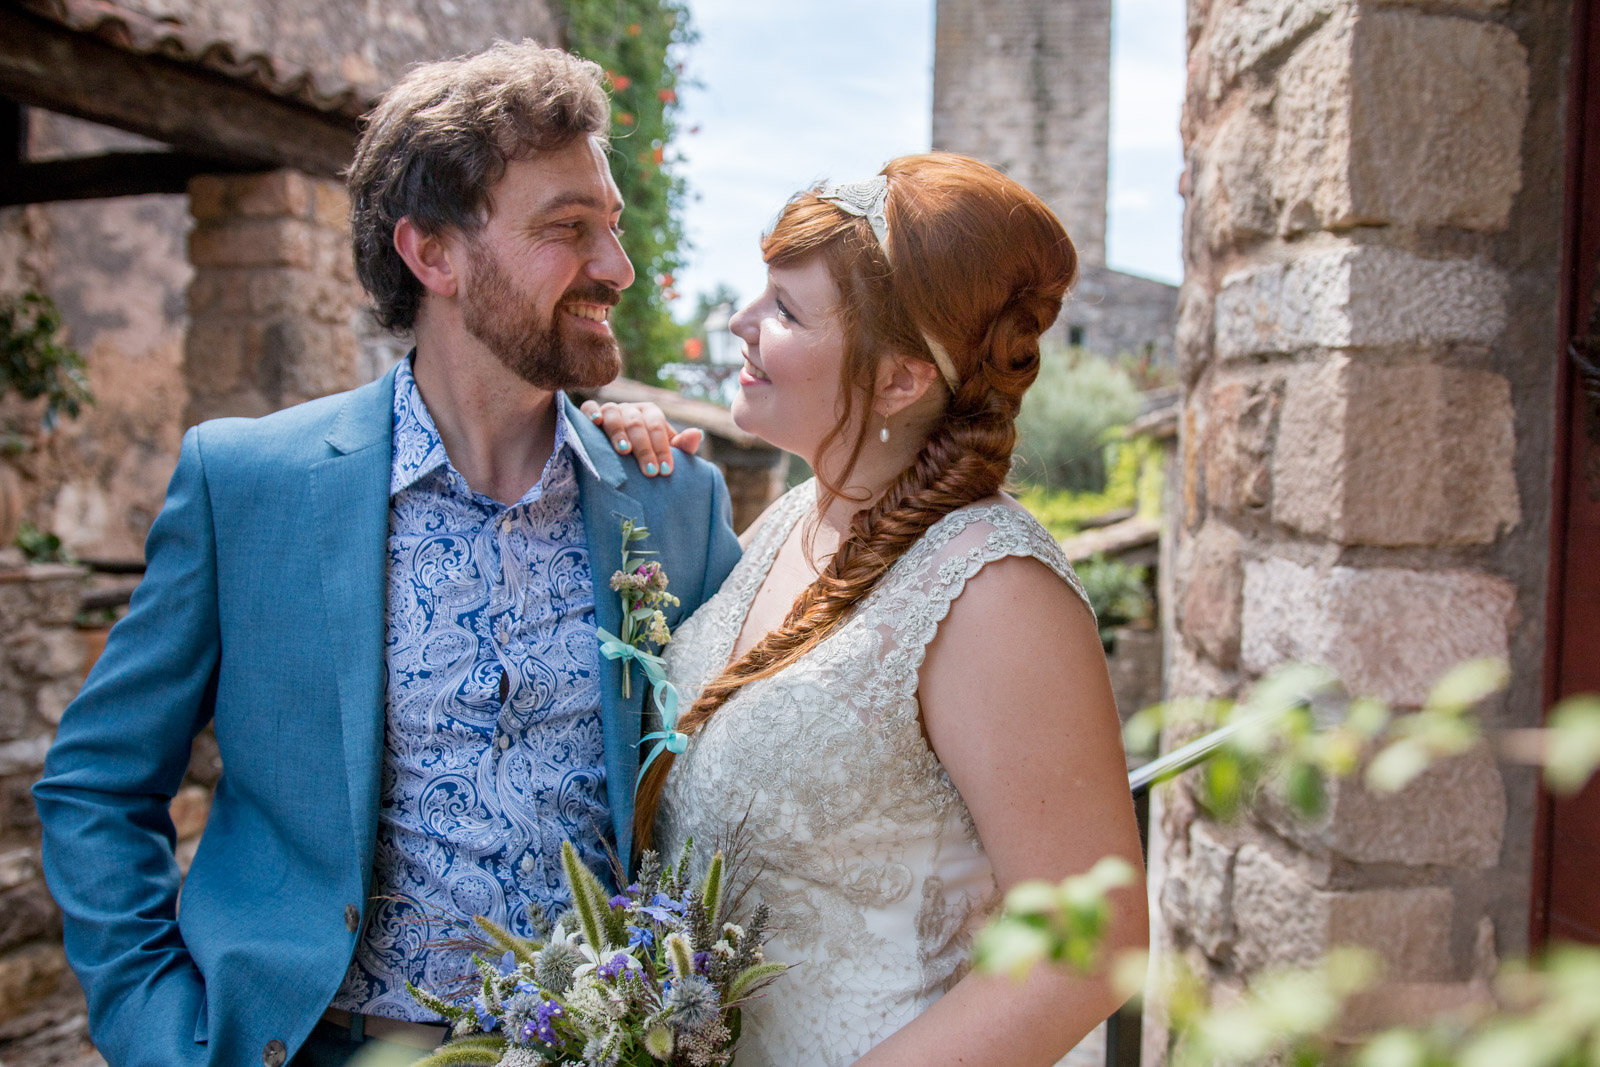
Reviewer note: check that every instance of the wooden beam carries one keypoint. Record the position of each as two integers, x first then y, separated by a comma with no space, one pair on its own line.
43,64
97,177
13,132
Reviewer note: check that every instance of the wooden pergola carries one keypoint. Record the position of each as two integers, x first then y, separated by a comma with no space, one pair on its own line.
219,110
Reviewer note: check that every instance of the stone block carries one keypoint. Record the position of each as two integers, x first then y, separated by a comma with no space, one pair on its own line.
1387,632
18,818
208,197
45,653
205,759
1248,32
1281,920
1409,455
214,356
1451,815
281,193
1213,591
53,698
28,975
330,206
18,866
252,242
1231,195
23,757
1240,415
28,913
1400,118
1356,298
1193,339
1210,891
189,809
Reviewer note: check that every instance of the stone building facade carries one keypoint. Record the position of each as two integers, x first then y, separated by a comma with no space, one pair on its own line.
1026,86
1368,345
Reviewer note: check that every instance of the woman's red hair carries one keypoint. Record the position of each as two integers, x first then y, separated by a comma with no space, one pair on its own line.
979,265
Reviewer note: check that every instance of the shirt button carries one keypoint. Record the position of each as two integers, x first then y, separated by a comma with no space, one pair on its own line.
274,1054
352,918
504,742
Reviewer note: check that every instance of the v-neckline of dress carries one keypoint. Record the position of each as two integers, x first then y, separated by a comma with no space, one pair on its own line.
789,518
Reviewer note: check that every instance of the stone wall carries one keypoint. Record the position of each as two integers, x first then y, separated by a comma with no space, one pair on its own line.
1026,85
1112,313
117,270
274,306
1367,338
41,665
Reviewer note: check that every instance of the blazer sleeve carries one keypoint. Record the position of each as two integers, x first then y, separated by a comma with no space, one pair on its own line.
117,760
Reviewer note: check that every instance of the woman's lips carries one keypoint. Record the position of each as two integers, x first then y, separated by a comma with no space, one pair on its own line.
750,374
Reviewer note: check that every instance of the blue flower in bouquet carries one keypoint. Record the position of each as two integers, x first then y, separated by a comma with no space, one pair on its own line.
663,909
621,900
693,1002
618,963
641,937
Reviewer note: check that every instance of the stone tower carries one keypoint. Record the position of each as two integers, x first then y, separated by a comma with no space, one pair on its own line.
1026,85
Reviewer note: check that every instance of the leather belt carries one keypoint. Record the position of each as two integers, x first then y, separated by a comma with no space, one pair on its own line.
396,1031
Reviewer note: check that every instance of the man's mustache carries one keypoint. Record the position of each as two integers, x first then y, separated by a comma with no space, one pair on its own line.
603,295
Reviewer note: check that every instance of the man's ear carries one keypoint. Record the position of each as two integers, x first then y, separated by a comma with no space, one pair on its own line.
902,381
432,258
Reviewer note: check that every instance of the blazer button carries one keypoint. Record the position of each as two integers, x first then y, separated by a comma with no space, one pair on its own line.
274,1054
352,918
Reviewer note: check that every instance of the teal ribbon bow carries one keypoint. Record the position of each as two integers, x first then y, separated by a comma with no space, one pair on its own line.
663,692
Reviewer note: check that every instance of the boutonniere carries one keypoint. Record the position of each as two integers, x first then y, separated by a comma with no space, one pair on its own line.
641,584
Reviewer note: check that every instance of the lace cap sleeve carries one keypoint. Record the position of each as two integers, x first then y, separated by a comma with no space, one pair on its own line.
916,596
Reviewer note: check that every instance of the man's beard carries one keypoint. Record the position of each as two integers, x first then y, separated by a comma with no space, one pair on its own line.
546,354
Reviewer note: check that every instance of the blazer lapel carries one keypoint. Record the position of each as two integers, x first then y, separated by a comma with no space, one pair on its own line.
605,506
351,498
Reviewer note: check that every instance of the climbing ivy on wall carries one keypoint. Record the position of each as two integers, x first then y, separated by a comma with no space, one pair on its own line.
638,44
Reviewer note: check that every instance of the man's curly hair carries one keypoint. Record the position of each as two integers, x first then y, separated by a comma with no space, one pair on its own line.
439,141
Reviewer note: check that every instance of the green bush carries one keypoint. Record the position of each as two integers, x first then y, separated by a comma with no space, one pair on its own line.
1066,416
1118,592
1134,480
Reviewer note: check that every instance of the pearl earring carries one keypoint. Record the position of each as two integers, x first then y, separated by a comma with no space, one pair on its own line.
883,434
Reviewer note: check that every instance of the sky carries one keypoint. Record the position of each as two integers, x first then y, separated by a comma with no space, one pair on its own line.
790,94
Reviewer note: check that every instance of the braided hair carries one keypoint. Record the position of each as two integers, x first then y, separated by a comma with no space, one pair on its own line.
981,266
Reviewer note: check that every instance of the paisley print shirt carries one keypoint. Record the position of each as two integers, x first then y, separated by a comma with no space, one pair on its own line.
493,752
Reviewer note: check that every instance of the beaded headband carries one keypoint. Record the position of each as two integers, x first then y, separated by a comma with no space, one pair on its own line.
870,200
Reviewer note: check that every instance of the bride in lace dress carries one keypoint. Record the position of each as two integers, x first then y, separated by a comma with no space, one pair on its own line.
899,691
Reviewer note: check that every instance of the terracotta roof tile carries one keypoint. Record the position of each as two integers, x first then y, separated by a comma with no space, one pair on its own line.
143,35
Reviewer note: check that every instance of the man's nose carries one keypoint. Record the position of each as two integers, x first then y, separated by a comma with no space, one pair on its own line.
610,264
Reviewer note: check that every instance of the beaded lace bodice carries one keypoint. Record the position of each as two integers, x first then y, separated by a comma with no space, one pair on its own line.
855,835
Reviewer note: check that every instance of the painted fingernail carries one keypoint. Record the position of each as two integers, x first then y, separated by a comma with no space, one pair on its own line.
623,445
594,416
666,468
650,468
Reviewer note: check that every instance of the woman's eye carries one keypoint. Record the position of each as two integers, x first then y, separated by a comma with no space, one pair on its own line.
783,312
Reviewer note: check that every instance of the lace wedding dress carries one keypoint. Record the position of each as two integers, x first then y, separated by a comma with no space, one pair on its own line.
859,842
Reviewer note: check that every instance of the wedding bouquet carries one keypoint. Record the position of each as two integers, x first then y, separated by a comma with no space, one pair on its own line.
650,976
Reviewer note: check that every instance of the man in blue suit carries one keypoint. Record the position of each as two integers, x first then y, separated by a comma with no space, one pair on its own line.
386,601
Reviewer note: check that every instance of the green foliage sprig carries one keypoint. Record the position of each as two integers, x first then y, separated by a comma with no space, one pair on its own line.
1540,1014
33,361
638,43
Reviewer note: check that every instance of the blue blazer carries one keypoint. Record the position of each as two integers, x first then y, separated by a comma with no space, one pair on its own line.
263,610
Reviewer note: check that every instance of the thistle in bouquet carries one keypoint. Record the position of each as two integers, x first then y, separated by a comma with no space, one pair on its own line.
653,975
642,586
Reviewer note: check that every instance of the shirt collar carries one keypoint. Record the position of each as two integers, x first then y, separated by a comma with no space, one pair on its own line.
418,449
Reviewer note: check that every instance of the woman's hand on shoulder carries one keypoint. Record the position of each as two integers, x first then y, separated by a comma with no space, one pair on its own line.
642,430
